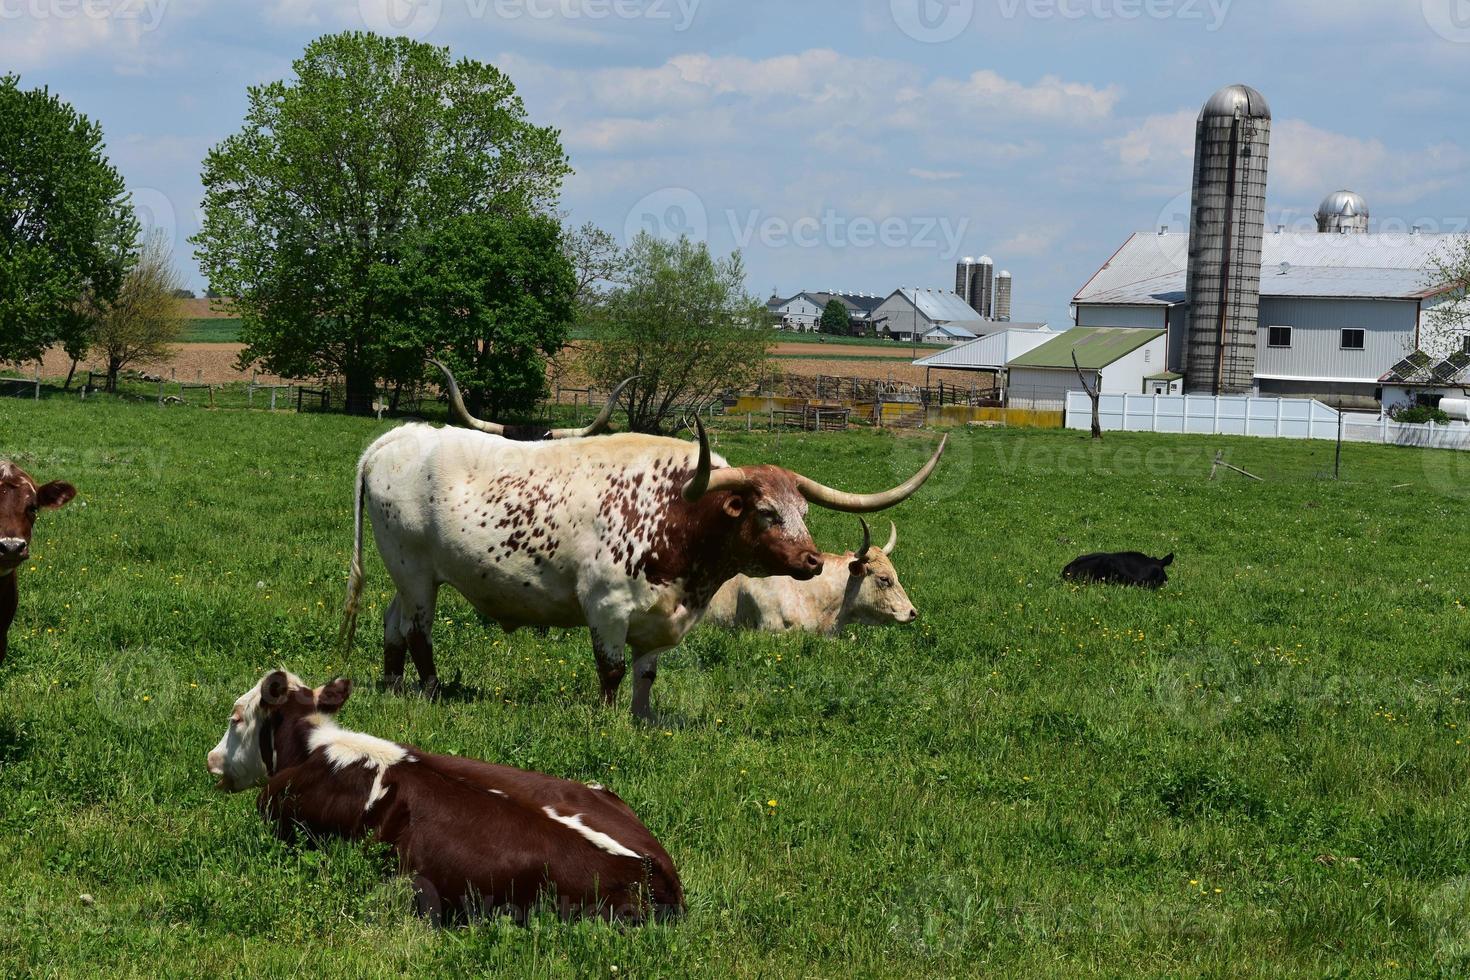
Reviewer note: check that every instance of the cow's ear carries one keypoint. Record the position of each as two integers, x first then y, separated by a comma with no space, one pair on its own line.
1167,560
734,505
55,494
334,695
274,688
856,568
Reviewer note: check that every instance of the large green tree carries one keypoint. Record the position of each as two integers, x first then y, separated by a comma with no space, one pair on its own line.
67,228
495,296
684,323
835,319
311,207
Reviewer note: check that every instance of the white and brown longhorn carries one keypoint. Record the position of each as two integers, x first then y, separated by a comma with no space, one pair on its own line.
856,587
476,837
629,535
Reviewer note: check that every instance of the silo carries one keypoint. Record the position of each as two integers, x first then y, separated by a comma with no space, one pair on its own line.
1003,295
982,286
962,277
1342,212
1227,216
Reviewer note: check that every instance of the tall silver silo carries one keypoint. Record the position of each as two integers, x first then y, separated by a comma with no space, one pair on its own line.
962,277
1342,212
982,286
1227,216
1003,295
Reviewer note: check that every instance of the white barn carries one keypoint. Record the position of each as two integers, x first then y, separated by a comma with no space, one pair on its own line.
1117,360
1337,311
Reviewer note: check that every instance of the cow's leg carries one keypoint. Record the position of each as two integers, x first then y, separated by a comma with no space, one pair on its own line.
645,672
8,603
408,627
395,645
609,637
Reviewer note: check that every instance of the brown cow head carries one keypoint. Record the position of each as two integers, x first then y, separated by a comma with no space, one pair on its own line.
265,731
874,595
21,499
770,504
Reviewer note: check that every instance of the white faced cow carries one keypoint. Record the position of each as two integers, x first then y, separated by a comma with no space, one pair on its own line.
630,535
477,837
857,587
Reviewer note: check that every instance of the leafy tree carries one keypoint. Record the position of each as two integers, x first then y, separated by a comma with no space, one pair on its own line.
1448,319
144,321
836,319
494,295
66,224
683,323
596,258
310,208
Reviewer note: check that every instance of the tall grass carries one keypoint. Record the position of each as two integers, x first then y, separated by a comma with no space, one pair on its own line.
1258,770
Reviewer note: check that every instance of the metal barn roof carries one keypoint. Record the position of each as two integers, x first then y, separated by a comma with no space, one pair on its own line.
1095,347
940,304
992,352
1150,269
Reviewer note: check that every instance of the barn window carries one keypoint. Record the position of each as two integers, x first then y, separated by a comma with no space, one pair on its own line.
1352,339
1278,337
1465,343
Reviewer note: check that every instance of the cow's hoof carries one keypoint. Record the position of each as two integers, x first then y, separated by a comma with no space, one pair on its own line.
431,689
393,683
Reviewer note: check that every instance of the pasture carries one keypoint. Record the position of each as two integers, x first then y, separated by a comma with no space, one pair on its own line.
1260,769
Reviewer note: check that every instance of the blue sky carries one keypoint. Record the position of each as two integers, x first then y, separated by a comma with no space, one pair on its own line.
854,145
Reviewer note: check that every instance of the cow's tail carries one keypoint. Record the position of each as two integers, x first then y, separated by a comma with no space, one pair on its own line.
354,574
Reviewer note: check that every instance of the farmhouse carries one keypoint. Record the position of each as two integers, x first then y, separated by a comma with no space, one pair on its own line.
1336,312
908,310
801,312
1114,359
1421,379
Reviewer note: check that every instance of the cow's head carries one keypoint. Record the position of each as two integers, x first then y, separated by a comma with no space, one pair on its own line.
21,499
874,595
260,732
1154,576
767,506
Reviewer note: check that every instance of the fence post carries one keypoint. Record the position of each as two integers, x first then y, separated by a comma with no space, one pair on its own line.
160,392
38,382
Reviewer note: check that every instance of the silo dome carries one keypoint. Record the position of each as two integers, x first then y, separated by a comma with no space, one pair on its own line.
1342,211
1252,104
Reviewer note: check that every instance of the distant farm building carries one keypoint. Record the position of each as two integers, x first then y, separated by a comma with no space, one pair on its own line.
1113,359
907,311
989,355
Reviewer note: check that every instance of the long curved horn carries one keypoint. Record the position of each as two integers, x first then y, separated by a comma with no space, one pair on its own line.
456,402
863,503
862,553
599,423
892,538
703,481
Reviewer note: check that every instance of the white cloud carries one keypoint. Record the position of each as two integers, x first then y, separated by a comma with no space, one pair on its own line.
924,174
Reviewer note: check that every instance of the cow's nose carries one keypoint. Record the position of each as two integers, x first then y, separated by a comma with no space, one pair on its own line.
812,561
216,764
14,547
913,616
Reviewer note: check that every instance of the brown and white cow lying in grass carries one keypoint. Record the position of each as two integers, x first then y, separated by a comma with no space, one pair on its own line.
857,587
21,499
476,837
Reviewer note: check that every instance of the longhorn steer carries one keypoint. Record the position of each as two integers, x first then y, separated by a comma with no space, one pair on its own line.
21,499
629,535
475,836
857,587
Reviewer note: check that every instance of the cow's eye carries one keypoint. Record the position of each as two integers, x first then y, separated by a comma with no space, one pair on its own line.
885,582
769,515
31,510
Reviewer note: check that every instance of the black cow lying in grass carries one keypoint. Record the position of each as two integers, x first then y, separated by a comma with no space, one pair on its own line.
477,838
1122,567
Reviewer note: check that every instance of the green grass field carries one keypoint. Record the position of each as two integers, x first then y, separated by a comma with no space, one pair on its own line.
1260,770
207,330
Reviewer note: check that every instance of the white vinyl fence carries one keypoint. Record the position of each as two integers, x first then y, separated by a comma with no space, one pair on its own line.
1247,415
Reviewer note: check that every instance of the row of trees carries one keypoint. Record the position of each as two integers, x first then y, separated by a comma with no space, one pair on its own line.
72,271
387,203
